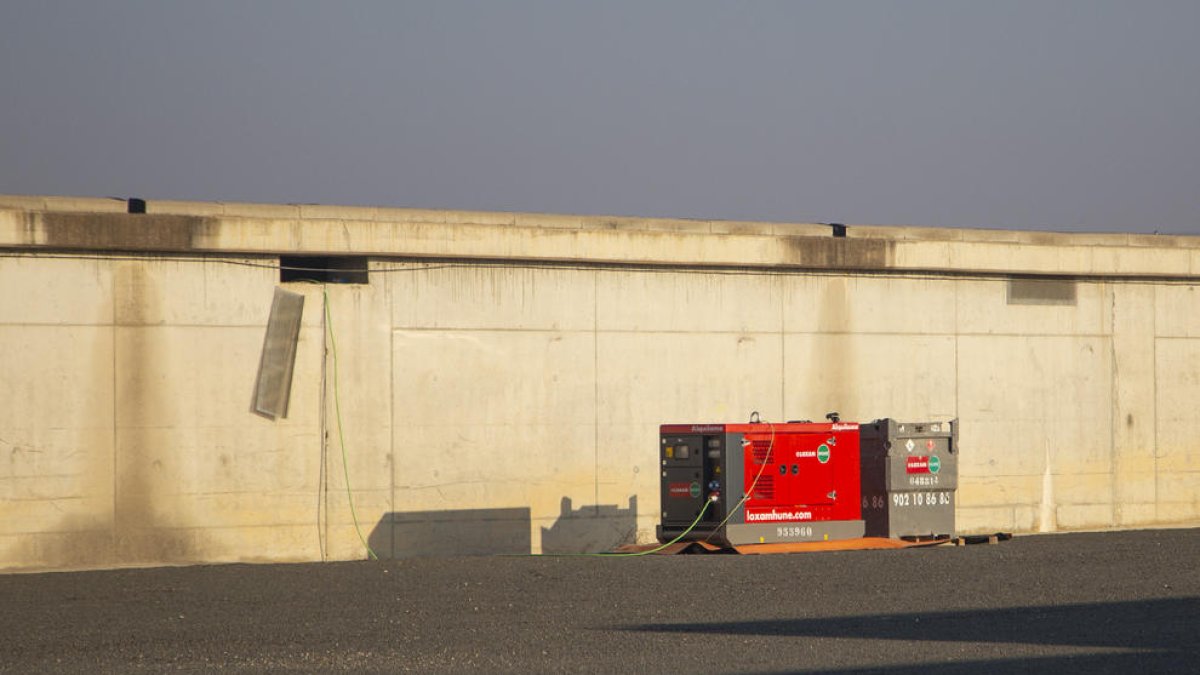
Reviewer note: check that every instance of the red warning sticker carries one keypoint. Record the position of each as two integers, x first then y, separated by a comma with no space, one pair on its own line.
680,490
917,465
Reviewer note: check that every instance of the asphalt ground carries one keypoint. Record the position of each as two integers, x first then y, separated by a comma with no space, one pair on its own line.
1097,602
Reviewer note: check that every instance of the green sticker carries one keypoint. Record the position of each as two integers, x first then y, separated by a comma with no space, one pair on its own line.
695,489
935,464
823,453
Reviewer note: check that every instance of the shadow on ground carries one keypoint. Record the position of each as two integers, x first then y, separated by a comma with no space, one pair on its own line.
1155,635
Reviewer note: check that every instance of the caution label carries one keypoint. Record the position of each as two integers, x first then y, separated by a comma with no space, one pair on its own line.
917,465
680,490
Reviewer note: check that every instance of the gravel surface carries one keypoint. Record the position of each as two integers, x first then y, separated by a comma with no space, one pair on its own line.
1096,602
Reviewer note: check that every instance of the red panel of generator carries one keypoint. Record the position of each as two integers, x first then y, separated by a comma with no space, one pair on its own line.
763,483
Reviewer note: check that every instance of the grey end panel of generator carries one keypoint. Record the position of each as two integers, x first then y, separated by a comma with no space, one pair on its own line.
678,509
734,481
721,465
909,477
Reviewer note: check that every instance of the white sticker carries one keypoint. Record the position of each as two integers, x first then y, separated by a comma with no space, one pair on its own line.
928,499
910,445
792,532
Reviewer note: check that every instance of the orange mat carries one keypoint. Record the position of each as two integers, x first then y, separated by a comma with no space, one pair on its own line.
859,544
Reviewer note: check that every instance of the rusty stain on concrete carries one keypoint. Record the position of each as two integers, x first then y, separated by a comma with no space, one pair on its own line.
833,355
839,252
139,480
121,231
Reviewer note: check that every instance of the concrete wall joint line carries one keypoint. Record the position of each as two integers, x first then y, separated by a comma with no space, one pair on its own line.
1157,385
392,452
596,386
1115,397
660,331
116,444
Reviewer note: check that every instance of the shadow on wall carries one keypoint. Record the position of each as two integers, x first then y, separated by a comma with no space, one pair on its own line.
591,528
409,534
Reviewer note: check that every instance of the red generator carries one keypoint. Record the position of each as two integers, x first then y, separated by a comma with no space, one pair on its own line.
763,483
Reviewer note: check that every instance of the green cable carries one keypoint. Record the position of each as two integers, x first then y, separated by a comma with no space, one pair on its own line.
337,406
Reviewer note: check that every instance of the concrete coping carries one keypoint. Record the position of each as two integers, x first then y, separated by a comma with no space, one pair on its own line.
56,204
303,212
105,224
573,221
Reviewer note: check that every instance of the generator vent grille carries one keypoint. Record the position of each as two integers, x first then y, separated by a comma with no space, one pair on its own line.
765,487
761,451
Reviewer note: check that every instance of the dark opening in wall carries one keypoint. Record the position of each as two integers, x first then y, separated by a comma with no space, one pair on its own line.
1041,292
323,269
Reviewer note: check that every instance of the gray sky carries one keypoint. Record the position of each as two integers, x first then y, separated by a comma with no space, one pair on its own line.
1037,115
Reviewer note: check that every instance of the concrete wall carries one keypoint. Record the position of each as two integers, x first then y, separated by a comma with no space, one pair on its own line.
506,396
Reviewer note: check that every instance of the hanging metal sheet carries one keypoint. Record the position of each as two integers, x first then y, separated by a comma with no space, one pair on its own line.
273,387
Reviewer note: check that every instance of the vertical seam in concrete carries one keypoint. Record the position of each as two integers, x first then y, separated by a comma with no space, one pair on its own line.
387,296
783,414
116,408
204,280
596,385
1154,379
323,481
1115,408
957,330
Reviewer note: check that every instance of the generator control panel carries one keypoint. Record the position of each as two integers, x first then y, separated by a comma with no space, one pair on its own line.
764,483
